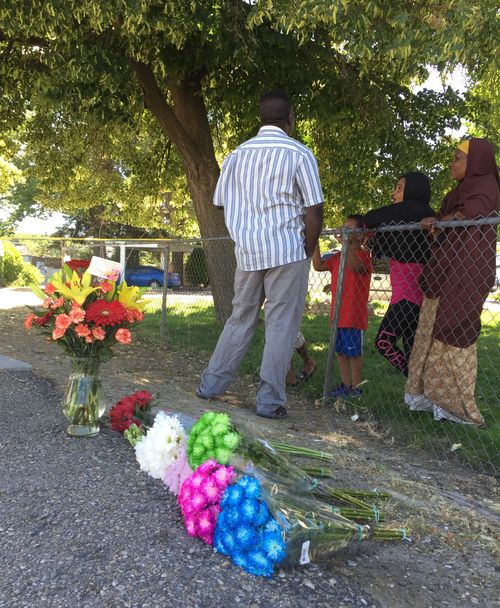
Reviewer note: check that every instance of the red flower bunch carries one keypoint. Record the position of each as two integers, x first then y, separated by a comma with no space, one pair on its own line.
142,399
102,312
85,316
43,321
127,411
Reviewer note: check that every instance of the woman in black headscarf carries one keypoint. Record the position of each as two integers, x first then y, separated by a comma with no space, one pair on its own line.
408,251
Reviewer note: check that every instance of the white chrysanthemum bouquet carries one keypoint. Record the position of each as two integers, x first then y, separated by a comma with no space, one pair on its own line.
161,446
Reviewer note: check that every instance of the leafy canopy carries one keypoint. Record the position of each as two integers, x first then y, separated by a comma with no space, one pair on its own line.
69,85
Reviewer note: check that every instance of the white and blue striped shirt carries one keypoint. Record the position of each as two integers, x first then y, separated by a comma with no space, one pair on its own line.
265,186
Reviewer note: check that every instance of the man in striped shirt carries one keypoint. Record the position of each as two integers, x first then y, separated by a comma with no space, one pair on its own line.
270,190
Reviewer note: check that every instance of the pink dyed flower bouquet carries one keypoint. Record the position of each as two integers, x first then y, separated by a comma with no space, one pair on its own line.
200,498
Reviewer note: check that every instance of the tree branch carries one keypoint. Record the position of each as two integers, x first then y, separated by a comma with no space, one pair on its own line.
29,41
156,103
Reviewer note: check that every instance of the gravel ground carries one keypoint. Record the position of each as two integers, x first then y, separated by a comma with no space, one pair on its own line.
453,512
81,525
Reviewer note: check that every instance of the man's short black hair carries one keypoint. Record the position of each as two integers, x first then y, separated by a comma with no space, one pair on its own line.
274,107
358,218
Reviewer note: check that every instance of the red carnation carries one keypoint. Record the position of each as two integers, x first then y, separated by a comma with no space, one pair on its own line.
102,312
142,399
42,321
121,415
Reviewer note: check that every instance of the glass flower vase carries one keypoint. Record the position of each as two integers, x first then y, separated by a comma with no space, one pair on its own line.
83,405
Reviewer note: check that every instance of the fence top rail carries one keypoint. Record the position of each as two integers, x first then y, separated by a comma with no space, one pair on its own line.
484,221
162,242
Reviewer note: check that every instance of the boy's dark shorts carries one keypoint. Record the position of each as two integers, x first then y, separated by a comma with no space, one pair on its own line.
349,342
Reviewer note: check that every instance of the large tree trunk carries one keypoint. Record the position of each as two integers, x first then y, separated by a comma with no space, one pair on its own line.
185,122
218,247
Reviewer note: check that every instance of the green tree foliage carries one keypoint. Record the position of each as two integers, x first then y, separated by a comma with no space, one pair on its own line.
17,272
196,268
483,101
348,63
8,174
198,66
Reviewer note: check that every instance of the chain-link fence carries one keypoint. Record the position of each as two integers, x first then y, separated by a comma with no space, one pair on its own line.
416,345
432,383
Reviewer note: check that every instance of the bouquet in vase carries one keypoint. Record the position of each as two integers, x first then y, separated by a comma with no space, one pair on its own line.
87,316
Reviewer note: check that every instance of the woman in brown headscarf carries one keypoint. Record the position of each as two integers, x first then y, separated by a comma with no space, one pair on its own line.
456,282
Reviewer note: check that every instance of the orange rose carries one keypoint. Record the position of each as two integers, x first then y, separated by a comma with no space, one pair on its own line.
98,333
89,339
106,286
123,336
82,330
63,321
58,332
130,315
49,289
76,314
134,314
57,303
28,322
46,303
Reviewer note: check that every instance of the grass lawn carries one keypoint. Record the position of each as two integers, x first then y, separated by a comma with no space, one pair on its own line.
191,327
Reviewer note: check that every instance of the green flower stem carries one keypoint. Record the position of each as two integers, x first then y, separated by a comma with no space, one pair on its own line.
366,494
359,515
323,490
317,472
294,450
389,534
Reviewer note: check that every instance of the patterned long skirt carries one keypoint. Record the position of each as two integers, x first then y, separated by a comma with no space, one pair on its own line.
445,375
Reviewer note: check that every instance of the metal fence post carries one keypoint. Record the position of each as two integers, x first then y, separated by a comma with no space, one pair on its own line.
336,313
163,321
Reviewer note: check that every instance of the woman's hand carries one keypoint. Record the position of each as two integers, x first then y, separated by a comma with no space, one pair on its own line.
428,223
456,215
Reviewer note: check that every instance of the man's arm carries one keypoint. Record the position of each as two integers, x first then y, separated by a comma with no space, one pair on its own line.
313,222
221,186
318,264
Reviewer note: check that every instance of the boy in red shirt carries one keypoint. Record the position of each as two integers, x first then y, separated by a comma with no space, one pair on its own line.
353,319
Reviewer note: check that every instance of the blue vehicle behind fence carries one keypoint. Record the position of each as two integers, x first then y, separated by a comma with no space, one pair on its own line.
150,276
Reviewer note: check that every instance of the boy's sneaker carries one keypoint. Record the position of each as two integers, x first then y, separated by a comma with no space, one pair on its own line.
339,392
354,391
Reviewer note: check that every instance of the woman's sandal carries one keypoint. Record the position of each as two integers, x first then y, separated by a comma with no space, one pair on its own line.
303,377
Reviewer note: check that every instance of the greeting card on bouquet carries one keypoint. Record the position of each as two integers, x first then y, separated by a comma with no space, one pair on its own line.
104,268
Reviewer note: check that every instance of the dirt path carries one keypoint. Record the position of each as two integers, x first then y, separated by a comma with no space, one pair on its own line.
453,512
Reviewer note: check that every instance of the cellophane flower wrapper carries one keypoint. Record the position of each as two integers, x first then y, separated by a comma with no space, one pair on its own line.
216,436
200,496
177,472
310,528
254,450
161,446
